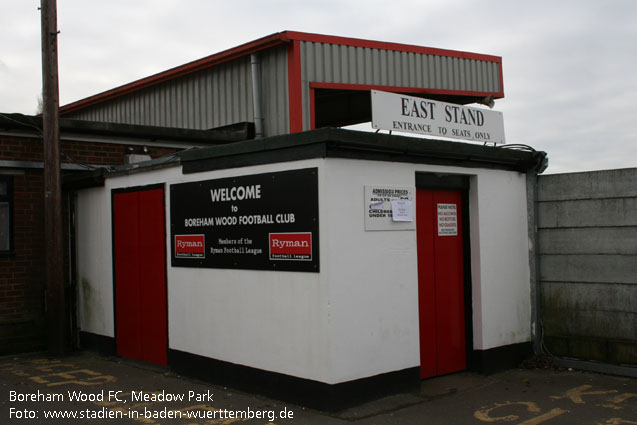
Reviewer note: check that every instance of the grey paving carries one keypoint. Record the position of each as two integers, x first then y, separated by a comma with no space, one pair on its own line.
120,391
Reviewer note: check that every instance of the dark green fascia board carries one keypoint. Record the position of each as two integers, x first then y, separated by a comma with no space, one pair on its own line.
329,142
336,142
84,179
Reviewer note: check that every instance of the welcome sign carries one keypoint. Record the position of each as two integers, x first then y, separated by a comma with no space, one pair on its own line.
410,114
259,222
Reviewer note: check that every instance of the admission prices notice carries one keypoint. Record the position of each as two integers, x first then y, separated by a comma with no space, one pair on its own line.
389,208
260,222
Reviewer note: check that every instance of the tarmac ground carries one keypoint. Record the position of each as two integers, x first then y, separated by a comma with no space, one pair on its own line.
87,388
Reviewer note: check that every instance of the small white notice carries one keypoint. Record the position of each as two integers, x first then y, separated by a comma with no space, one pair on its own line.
402,210
377,206
447,220
389,208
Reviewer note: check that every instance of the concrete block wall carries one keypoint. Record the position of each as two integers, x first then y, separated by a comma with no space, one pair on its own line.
587,236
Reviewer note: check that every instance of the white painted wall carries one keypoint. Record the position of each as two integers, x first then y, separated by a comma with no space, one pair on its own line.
270,320
373,279
94,262
358,317
500,269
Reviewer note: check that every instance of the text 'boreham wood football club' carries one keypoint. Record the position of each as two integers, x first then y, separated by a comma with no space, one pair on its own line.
242,220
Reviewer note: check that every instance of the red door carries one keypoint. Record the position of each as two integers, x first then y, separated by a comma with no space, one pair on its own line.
140,278
440,282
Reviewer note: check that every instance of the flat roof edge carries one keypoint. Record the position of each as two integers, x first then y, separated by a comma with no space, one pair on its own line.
327,143
226,134
336,142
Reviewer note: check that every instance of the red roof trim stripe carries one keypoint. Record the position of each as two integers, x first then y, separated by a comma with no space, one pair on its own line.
356,42
295,96
501,94
396,89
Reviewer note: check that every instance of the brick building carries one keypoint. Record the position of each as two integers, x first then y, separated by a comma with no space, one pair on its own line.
84,145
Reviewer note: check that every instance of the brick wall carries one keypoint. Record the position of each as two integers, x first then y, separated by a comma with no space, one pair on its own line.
22,316
28,149
21,282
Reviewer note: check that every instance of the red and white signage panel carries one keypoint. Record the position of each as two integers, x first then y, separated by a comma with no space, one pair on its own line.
291,246
190,246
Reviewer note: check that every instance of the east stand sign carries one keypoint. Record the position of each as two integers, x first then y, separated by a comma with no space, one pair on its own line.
259,222
410,114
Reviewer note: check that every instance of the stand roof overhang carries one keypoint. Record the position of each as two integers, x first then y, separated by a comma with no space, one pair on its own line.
329,77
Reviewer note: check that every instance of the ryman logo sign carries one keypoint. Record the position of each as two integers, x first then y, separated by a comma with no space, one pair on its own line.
190,246
291,246
398,112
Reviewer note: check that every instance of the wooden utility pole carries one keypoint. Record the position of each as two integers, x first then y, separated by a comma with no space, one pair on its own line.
54,274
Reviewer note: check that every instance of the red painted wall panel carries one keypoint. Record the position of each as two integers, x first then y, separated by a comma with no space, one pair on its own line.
127,292
140,279
153,322
450,290
295,94
426,288
440,285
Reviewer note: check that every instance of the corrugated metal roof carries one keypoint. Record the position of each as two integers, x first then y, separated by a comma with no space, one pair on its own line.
306,79
178,72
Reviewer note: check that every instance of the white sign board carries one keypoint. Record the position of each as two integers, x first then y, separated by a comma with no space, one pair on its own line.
397,112
447,220
389,208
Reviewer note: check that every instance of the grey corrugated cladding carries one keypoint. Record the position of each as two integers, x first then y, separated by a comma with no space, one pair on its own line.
356,65
324,62
210,98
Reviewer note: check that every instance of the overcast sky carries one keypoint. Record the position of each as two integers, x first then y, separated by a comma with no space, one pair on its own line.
570,66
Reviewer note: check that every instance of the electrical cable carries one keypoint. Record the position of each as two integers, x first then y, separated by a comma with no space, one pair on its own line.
518,146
